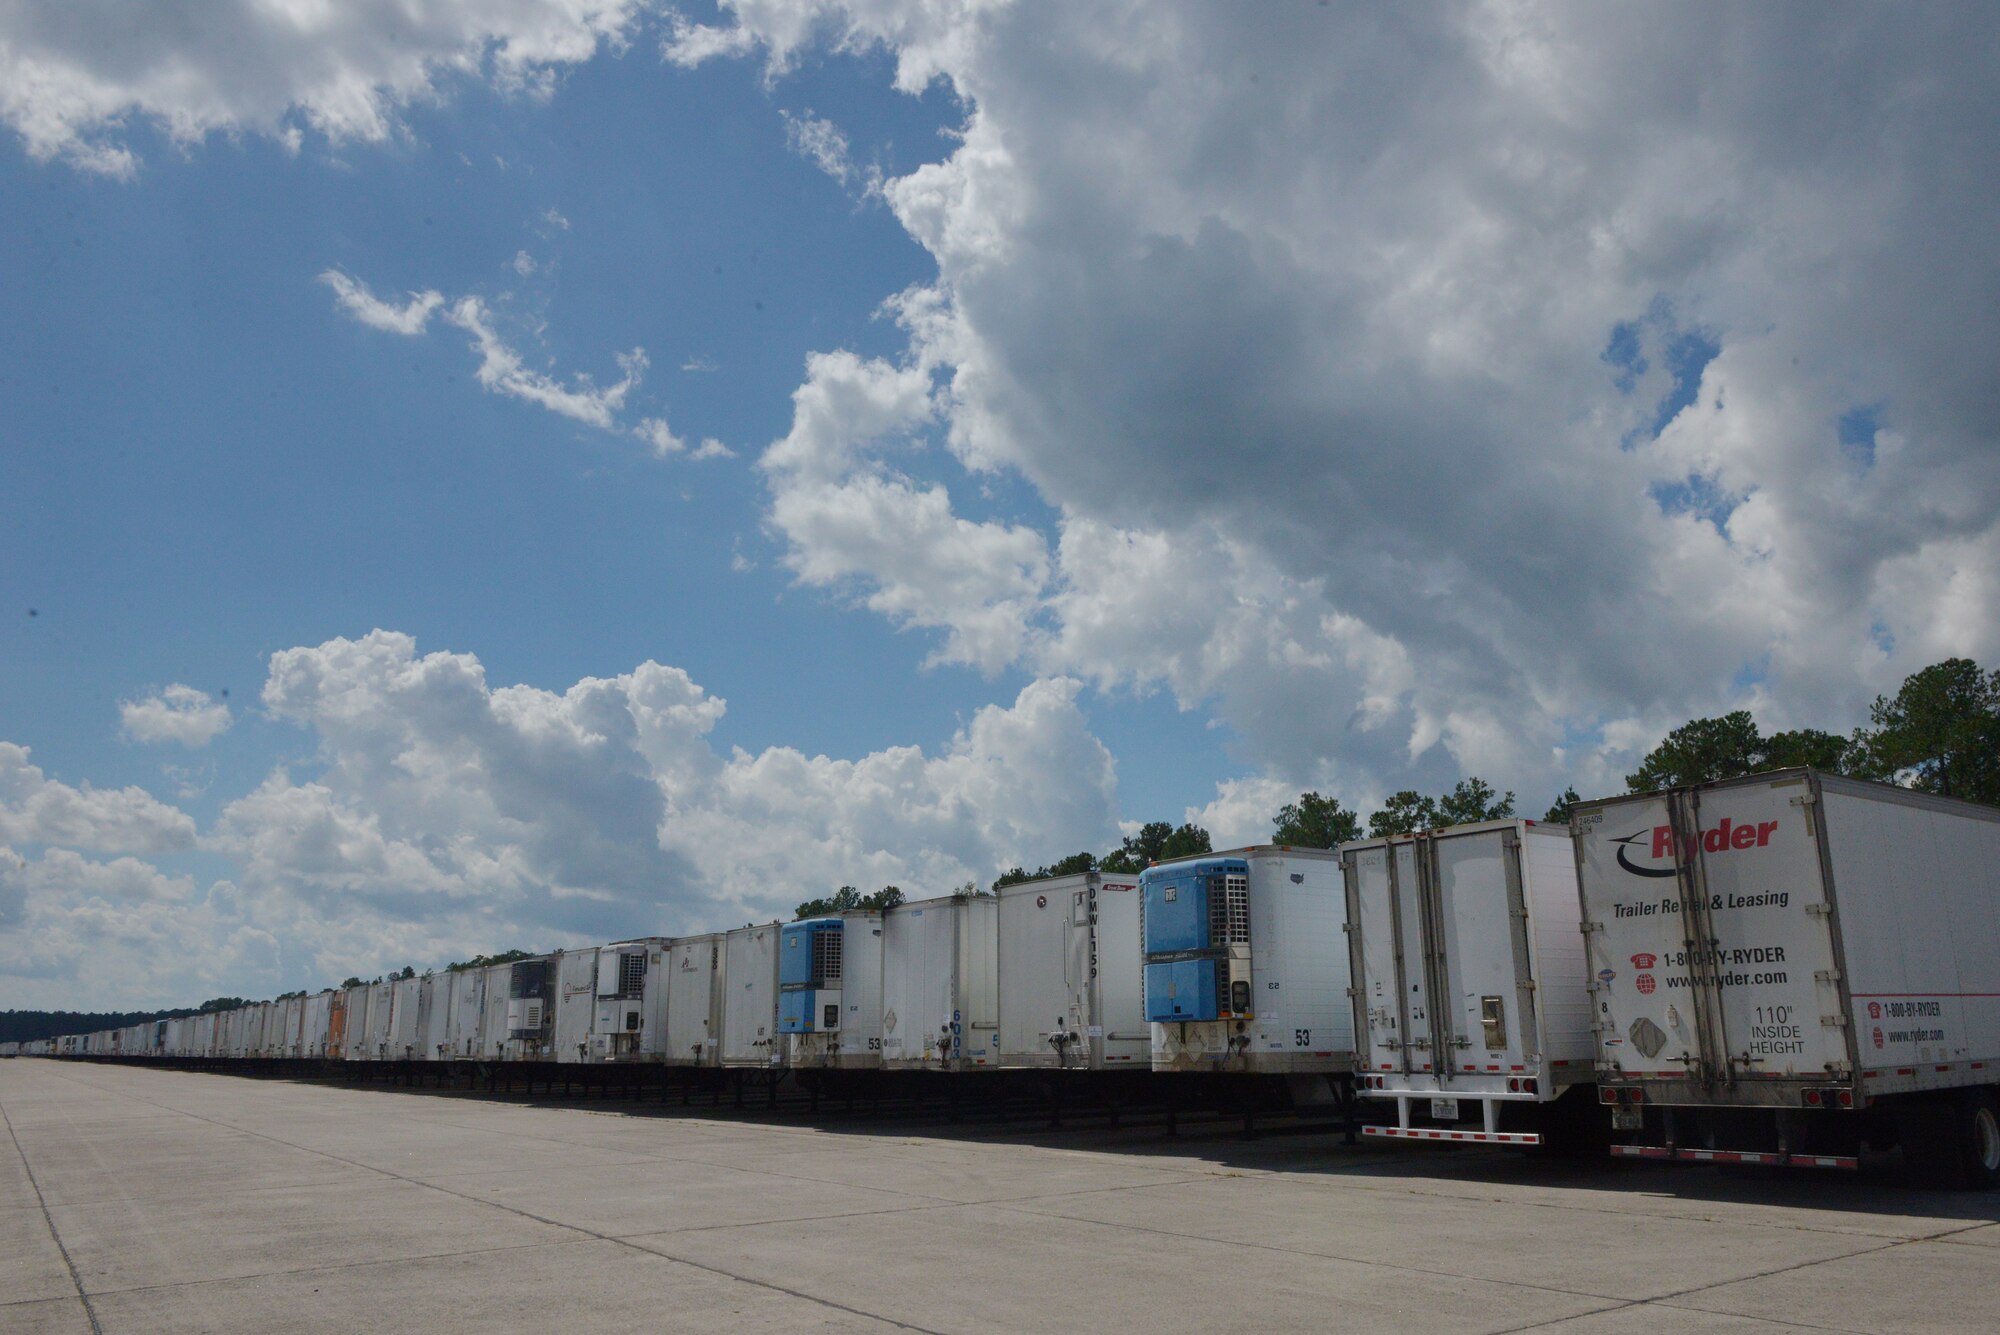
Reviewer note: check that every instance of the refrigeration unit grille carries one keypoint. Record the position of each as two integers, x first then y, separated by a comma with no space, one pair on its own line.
1229,910
631,974
826,957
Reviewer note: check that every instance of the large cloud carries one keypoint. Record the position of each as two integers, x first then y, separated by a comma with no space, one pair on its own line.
445,816
1484,386
73,74
35,809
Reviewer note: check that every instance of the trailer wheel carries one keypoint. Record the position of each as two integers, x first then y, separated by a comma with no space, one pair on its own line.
1979,1140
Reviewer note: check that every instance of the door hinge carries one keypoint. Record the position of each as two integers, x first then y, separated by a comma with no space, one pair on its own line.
1591,926
1834,1021
1826,975
1819,910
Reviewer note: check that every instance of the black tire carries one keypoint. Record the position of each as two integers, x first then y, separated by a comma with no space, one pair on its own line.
1977,1124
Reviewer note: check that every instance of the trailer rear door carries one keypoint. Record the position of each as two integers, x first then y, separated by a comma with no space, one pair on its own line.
1372,908
1483,923
1711,941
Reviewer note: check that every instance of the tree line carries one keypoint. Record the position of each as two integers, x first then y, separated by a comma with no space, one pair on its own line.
28,1026
1940,733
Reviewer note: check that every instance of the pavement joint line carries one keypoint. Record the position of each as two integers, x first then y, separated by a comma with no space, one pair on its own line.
524,1214
682,1160
905,1209
1360,1184
96,1327
330,1267
1376,1263
1649,1302
788,1219
1669,1299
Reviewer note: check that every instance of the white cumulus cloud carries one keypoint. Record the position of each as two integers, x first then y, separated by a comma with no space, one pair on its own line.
35,809
176,714
1474,387
75,75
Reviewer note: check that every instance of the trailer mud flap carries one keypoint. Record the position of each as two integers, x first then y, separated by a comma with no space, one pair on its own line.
1753,1157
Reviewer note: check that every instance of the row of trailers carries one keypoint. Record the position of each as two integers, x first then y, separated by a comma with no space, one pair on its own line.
1779,969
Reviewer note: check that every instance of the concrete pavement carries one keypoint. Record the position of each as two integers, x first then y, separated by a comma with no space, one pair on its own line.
143,1200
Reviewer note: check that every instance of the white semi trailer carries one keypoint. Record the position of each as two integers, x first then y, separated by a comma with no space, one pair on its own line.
1245,966
1072,995
940,984
1789,966
1469,986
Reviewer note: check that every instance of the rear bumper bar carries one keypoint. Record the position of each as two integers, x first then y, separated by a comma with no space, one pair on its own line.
1687,1155
1440,1133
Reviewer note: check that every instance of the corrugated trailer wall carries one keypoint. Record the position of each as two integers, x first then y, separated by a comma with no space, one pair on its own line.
468,1004
376,1036
860,1039
576,1003
940,984
405,1011
1070,991
694,1001
313,1020
496,980
750,996
436,1022
1917,890
1045,971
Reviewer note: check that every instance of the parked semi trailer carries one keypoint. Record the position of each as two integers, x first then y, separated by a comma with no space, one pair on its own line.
1469,985
630,1023
1787,967
940,984
1072,994
1246,966
830,991
750,998
694,1001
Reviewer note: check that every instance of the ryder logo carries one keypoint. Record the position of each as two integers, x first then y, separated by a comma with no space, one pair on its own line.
1661,842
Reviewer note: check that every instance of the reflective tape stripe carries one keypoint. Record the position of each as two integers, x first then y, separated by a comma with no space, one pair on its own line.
1735,1156
1430,1133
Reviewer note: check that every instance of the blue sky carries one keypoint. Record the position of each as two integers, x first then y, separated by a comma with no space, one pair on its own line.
209,463
1047,421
